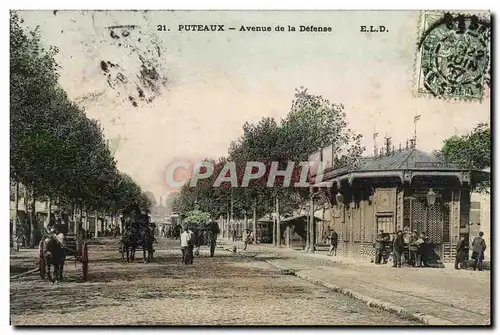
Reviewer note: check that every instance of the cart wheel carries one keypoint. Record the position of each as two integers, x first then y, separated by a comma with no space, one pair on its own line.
41,260
85,261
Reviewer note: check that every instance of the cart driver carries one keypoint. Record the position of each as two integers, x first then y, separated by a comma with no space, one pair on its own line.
59,236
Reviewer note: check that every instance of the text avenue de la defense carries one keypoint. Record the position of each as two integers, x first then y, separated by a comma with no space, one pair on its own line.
245,28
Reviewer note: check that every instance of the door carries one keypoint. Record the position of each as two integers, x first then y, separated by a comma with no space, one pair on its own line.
428,219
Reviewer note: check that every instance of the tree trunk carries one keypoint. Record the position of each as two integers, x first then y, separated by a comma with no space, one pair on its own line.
308,226
33,218
87,223
49,212
121,224
27,225
278,223
225,226
73,218
14,223
312,230
254,221
96,224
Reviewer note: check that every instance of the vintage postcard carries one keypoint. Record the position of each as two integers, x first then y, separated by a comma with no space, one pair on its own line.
250,168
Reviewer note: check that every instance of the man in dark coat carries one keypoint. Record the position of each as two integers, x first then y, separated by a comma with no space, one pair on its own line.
212,236
334,238
412,249
398,247
379,247
462,247
478,248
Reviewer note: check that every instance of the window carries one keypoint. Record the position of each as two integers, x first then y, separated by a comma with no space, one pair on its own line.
386,224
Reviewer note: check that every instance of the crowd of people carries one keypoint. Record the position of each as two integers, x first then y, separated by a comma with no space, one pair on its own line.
412,249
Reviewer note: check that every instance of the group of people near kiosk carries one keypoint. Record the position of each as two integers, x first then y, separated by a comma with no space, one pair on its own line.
407,248
413,249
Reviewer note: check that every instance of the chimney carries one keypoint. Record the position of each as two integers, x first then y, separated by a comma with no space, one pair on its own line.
400,147
406,144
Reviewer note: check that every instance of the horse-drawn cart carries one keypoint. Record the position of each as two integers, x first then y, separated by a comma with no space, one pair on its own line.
75,249
138,234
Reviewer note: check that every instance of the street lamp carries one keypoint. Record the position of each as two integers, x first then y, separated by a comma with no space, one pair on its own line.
431,197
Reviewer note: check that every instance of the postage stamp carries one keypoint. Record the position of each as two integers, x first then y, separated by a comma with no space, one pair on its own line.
453,57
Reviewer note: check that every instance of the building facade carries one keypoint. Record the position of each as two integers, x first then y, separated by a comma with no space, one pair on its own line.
400,190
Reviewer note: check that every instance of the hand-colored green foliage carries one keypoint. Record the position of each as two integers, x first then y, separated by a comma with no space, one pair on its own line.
56,150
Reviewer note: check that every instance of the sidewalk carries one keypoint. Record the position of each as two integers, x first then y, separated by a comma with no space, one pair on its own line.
435,296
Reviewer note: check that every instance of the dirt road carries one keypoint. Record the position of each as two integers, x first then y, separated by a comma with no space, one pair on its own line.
224,290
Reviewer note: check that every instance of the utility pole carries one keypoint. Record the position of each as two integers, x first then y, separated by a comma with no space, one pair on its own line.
311,231
278,223
415,120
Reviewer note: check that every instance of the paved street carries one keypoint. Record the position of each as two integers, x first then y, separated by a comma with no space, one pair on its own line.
224,290
457,297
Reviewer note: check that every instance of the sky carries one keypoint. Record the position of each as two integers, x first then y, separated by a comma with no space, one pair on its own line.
205,85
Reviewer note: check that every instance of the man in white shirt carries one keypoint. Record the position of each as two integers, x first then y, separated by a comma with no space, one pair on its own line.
192,238
185,244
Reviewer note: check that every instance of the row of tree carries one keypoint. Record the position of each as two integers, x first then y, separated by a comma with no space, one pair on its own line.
57,154
470,151
312,123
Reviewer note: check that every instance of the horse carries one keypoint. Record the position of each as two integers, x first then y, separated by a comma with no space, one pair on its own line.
146,240
54,254
129,242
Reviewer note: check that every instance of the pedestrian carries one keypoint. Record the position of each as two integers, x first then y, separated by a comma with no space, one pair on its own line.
191,245
247,238
387,247
185,241
398,247
334,238
234,235
462,247
405,258
412,249
478,248
379,247
420,243
425,250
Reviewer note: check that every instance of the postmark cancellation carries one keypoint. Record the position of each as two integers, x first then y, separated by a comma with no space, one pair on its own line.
453,56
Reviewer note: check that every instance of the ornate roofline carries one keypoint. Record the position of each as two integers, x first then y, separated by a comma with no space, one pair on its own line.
406,176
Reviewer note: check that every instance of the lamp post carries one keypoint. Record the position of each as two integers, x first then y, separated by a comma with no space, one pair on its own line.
311,231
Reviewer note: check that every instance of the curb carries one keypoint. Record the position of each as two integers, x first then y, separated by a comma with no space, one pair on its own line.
369,301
